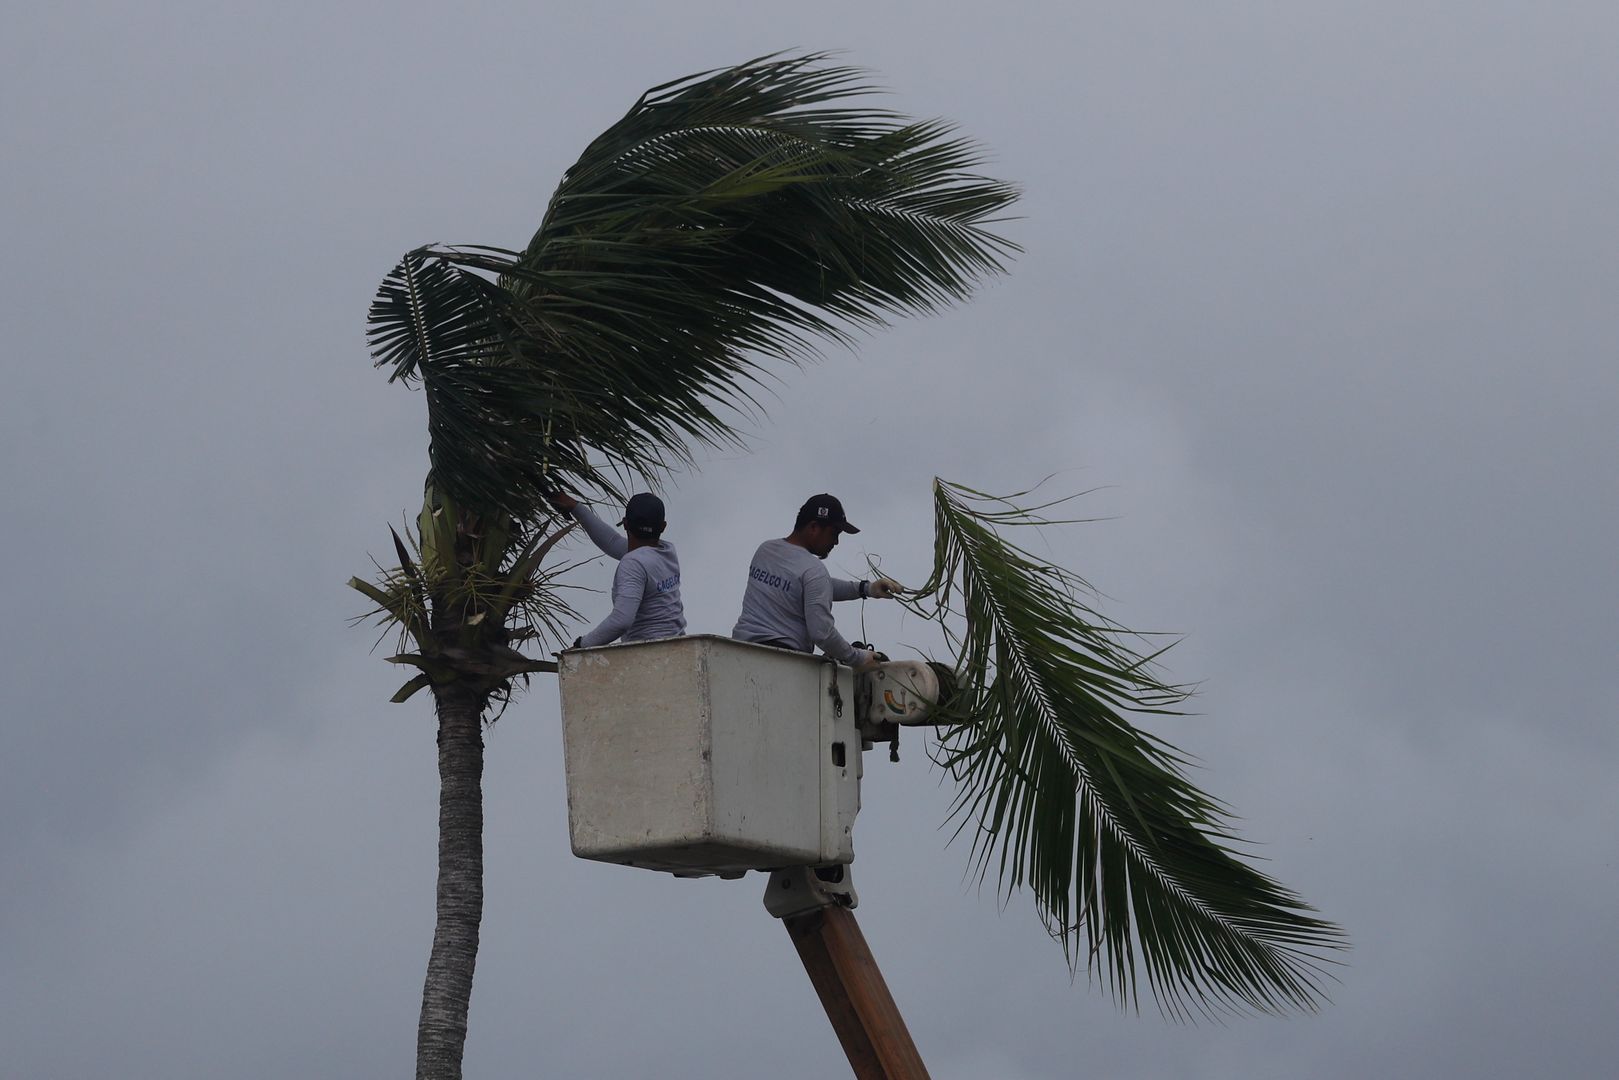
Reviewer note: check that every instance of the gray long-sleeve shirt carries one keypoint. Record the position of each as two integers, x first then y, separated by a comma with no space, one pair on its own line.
788,602
646,586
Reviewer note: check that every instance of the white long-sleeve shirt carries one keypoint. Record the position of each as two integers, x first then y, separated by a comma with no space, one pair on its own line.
646,586
788,602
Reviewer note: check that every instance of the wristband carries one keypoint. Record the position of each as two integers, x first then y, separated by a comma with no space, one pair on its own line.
865,590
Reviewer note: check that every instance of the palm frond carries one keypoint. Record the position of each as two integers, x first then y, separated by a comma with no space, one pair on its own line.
728,221
1061,793
429,312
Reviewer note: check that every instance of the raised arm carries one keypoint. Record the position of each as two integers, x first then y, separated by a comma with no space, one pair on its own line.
610,540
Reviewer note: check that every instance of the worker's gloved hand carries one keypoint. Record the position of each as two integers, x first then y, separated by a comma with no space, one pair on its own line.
884,589
862,646
867,660
561,500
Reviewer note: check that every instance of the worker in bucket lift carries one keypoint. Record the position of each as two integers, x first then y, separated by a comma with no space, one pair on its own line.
646,586
788,600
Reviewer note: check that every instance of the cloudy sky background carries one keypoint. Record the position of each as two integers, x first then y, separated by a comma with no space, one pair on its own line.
1321,297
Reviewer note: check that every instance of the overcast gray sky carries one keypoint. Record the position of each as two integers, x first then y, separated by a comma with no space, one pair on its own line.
1322,296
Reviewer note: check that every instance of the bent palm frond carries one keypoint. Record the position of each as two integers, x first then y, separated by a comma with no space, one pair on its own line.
728,220
1067,797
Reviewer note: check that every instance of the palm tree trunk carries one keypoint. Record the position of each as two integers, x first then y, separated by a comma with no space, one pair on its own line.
442,1031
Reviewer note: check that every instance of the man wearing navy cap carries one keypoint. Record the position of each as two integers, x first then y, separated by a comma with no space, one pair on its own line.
646,586
788,601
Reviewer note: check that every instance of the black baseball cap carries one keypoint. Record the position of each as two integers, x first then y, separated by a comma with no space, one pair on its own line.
643,515
825,510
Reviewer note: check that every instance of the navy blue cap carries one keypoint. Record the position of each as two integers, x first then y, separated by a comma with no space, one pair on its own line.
825,510
643,515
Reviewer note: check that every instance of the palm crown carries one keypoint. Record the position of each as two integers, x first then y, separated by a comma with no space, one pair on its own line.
728,220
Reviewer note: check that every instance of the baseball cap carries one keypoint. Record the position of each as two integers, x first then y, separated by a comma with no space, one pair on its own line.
643,515
825,510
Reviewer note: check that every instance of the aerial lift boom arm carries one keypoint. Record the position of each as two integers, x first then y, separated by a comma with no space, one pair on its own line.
819,917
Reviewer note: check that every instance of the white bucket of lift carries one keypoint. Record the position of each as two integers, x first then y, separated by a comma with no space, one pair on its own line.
704,755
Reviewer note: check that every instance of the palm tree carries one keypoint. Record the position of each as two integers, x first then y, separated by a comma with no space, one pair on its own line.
729,220
727,224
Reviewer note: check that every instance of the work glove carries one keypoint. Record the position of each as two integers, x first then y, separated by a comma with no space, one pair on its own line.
867,660
884,589
861,646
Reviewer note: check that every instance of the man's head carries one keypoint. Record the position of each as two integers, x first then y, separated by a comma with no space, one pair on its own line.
643,517
819,523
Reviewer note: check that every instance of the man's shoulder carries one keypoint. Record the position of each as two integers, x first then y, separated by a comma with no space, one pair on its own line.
651,556
663,549
788,555
632,563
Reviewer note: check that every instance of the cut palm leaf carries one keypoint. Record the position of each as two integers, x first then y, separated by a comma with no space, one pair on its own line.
1131,866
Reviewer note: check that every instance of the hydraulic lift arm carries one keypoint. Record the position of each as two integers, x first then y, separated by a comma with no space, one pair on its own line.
819,916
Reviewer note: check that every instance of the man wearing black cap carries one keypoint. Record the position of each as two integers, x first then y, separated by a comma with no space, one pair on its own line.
646,586
788,601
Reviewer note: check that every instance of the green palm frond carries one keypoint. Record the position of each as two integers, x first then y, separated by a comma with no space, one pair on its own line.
464,339
1064,795
428,313
727,221
746,179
